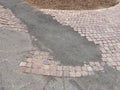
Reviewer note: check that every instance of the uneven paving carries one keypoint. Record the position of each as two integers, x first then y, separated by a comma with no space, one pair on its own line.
39,60
96,26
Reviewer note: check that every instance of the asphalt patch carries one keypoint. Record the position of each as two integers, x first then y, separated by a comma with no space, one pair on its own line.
61,41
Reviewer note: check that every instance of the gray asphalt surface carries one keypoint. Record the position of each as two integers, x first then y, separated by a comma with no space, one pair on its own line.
61,41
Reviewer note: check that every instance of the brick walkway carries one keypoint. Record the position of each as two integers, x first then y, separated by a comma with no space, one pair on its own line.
98,26
9,21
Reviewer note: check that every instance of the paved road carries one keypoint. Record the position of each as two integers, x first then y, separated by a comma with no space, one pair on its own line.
62,42
51,36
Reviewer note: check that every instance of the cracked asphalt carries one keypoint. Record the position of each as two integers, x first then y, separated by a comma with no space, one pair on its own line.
61,41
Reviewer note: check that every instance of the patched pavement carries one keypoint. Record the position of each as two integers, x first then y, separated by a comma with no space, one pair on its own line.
58,50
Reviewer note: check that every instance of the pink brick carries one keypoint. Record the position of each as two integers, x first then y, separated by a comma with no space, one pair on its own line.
89,69
114,63
37,65
60,68
22,69
84,68
52,67
118,63
72,69
118,68
66,73
28,70
59,73
84,73
53,73
78,74
35,71
65,68
46,72
29,65
29,60
46,67
72,74
78,68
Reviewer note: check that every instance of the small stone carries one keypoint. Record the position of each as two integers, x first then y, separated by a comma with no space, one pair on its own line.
23,64
89,68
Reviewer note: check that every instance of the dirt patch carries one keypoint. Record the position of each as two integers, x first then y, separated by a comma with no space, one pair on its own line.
74,4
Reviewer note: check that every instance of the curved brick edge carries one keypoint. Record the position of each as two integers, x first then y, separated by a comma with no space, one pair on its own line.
9,21
39,62
95,26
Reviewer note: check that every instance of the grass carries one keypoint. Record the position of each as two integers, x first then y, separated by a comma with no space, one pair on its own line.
74,4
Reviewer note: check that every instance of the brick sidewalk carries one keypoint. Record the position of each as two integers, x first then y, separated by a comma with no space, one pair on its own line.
9,21
97,26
